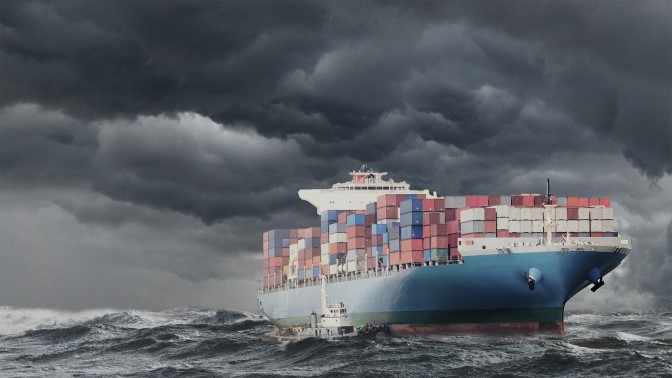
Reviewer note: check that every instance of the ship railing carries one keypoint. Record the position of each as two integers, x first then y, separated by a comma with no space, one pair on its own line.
362,274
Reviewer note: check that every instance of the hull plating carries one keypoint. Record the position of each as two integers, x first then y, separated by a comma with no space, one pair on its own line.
489,291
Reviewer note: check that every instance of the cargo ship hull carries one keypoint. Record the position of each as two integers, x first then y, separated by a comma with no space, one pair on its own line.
486,293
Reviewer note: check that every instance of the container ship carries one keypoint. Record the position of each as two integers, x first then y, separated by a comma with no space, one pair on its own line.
419,263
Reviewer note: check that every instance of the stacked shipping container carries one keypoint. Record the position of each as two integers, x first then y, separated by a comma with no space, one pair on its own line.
410,229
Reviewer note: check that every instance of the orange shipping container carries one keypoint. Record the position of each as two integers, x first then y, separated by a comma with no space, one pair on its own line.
335,248
411,245
491,226
395,258
502,233
583,202
357,243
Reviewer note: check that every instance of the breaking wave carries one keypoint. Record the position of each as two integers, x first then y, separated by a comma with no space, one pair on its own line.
204,342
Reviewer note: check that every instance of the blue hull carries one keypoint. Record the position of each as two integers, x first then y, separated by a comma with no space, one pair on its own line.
488,289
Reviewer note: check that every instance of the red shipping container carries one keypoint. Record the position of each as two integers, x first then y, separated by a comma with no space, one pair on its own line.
417,256
386,200
451,214
596,234
528,201
311,232
472,201
386,249
438,242
324,238
335,248
475,235
265,254
418,196
425,231
302,254
572,201
573,213
517,201
514,234
494,200
293,233
371,263
491,226
395,258
324,269
440,204
593,201
426,243
454,253
482,201
502,233
438,230
356,231
356,243
406,257
265,263
285,252
275,261
360,212
265,236
453,227
606,202
411,245
452,240
583,202
377,240
300,233
490,214
431,218
367,242
316,251
316,260
428,204
539,201
369,220
389,212
264,245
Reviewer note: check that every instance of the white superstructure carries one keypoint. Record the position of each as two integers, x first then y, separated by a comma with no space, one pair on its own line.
365,187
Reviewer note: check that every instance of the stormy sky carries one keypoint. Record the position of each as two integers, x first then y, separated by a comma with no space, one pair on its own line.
145,146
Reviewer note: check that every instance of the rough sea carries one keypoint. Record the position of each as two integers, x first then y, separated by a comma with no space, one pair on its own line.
192,342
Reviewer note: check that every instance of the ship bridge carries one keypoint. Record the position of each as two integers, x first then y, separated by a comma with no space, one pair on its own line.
365,186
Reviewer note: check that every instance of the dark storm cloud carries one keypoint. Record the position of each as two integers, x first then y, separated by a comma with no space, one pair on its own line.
132,120
331,71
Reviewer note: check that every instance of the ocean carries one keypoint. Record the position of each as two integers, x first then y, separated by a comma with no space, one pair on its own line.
191,342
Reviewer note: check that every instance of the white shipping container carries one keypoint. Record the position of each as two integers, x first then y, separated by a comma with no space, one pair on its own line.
608,225
596,225
352,266
526,226
537,226
596,213
324,259
479,213
302,243
293,248
525,213
333,269
514,213
584,213
537,213
514,226
502,223
502,211
324,248
561,225
561,213
608,213
340,237
584,225
572,226
466,215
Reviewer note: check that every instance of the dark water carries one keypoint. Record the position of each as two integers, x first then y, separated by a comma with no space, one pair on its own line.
201,342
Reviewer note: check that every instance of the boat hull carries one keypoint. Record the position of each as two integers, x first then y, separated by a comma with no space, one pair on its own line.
485,294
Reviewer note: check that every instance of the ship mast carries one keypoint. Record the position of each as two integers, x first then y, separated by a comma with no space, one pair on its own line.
549,207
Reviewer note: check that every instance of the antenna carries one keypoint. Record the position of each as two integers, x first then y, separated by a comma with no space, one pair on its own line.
548,191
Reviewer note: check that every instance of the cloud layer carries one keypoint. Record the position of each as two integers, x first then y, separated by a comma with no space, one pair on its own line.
167,137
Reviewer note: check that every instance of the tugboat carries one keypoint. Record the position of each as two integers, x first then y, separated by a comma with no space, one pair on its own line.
335,323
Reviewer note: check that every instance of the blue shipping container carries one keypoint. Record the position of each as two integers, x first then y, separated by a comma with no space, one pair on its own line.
413,218
386,238
428,255
371,208
329,215
377,250
333,259
411,232
356,220
316,271
410,205
377,229
302,274
394,230
394,245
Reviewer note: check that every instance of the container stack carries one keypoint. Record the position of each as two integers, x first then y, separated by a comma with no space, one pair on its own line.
411,229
